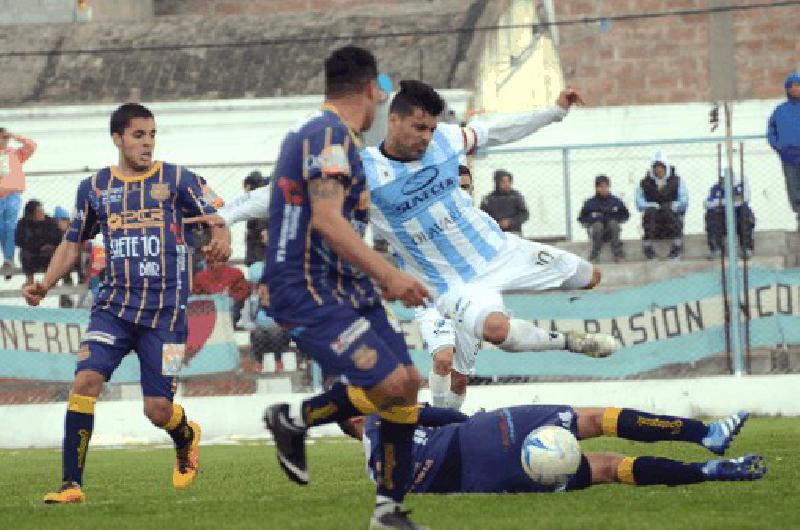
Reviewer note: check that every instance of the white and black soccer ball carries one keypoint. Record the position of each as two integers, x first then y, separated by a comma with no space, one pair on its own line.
550,455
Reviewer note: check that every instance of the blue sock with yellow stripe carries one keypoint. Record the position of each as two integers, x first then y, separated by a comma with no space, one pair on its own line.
335,405
78,427
643,427
650,470
396,459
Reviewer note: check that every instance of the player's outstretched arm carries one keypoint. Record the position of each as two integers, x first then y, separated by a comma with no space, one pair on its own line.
327,198
63,260
509,128
252,205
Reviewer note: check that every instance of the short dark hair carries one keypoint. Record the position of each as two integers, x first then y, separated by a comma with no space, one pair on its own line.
121,118
416,95
601,179
348,69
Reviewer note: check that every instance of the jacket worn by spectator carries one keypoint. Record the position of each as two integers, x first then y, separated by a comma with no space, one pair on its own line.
668,192
37,240
505,204
783,129
222,278
603,209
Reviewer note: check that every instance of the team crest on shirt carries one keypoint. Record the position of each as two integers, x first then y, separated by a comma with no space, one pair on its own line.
159,191
365,357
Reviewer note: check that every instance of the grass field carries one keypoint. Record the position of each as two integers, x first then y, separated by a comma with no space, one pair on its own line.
242,487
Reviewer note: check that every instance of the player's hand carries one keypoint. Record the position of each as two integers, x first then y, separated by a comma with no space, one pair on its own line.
218,249
404,287
34,293
209,219
569,97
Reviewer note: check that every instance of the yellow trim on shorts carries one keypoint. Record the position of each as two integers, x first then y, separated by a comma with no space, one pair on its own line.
82,404
406,414
610,421
358,397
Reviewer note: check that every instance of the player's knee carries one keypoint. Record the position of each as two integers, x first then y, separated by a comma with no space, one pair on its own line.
495,328
158,411
88,383
458,383
604,467
443,361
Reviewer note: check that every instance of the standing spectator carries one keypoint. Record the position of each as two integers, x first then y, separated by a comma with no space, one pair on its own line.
662,197
715,217
12,182
601,215
37,236
505,204
783,133
254,245
219,277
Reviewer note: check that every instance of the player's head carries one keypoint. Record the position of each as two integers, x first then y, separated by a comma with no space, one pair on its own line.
465,179
352,72
33,210
133,130
602,186
792,85
503,180
413,115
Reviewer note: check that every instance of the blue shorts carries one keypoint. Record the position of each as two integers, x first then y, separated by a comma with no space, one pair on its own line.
491,444
361,345
109,338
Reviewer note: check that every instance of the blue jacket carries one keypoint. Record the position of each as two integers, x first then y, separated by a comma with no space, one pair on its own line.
783,129
603,209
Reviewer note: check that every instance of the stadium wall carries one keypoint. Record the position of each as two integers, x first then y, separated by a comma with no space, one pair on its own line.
237,418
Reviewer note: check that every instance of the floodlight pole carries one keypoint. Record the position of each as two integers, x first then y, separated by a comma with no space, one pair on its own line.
731,247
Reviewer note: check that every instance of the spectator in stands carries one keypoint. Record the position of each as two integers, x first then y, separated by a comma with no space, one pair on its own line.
715,217
663,199
254,245
222,278
783,133
267,336
505,204
37,236
602,216
12,182
93,262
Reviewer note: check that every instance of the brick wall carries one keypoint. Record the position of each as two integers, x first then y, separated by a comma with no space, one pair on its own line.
245,7
667,59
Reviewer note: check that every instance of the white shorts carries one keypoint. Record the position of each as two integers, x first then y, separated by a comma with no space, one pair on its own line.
438,332
523,265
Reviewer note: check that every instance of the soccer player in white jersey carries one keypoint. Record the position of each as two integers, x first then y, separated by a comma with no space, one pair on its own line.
444,240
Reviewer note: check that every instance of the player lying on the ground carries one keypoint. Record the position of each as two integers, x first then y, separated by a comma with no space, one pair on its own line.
481,454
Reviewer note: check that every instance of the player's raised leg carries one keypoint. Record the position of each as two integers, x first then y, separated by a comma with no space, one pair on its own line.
160,354
649,470
641,426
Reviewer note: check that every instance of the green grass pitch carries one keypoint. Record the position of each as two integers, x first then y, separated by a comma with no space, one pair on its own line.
242,487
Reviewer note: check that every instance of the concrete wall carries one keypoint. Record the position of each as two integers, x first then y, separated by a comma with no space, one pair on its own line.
36,11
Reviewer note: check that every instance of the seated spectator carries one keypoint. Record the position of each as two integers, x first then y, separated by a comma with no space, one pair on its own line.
255,247
219,277
715,218
12,182
505,204
37,237
663,199
93,262
601,215
267,336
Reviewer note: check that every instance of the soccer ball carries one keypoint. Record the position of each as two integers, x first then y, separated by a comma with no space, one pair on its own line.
549,455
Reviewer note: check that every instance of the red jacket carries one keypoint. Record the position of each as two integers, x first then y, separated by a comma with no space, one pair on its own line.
222,278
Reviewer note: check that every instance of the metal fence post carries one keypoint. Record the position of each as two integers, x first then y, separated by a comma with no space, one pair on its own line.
567,194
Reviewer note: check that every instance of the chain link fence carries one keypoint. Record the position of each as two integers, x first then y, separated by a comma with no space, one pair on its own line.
653,311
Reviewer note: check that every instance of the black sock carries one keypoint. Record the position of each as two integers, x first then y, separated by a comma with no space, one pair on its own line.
650,470
643,427
178,427
78,426
394,477
334,405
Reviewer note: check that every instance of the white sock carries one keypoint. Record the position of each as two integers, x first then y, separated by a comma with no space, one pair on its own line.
440,386
523,336
296,413
454,401
384,504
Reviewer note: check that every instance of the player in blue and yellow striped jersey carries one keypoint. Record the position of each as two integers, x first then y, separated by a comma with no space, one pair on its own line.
139,206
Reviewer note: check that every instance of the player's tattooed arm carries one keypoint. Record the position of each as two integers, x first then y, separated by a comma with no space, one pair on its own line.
326,189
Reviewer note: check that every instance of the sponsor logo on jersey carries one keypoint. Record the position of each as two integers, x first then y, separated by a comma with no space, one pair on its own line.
420,180
110,196
149,269
135,247
439,227
424,194
350,335
132,219
365,357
